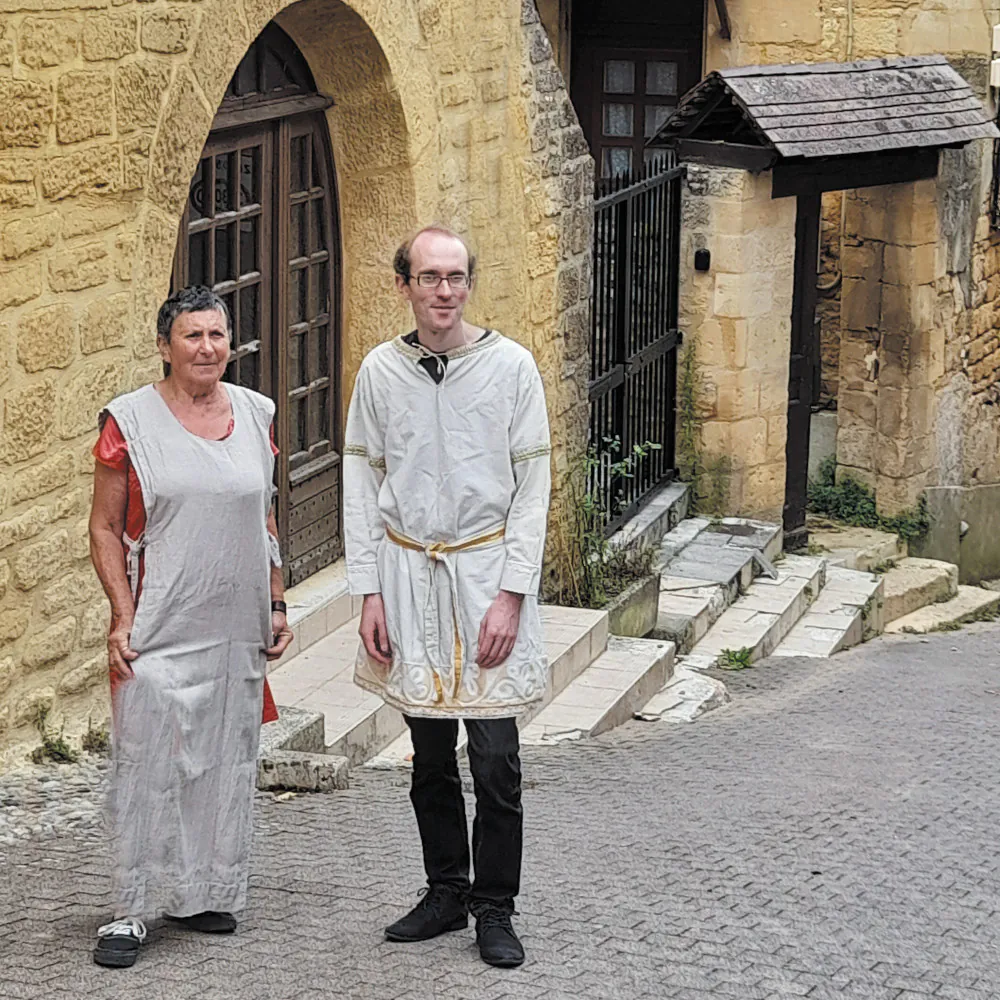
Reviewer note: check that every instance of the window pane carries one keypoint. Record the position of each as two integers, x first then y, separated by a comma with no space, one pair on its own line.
300,162
318,415
225,260
297,423
249,314
661,78
318,229
230,301
225,183
619,76
618,119
249,245
249,371
297,296
616,161
197,195
250,176
298,238
656,115
245,78
321,350
297,361
198,268
319,300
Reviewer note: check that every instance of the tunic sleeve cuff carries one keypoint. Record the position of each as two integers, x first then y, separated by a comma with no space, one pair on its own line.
519,578
363,580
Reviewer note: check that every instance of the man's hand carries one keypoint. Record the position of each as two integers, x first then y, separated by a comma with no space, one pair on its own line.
373,631
120,652
499,629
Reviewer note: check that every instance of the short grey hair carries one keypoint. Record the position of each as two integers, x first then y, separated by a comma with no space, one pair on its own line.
401,262
194,298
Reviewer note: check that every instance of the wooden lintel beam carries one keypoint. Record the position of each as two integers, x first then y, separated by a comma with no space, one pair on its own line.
725,29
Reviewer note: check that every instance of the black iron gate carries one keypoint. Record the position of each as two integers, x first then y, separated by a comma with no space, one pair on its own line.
634,337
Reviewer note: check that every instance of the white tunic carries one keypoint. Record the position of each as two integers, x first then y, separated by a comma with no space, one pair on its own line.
446,494
185,728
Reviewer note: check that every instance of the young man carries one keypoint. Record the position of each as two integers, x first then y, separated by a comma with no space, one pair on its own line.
446,493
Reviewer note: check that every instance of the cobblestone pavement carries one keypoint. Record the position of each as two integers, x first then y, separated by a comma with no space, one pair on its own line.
831,833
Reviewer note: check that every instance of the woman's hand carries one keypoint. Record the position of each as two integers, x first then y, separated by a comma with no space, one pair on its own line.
283,635
120,653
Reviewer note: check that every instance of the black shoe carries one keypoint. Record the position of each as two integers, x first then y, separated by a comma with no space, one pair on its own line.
118,943
208,922
498,944
442,909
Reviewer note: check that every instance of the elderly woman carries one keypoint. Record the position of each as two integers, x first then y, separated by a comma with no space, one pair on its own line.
184,540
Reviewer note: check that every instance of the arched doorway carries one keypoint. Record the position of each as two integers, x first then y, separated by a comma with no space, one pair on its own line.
261,227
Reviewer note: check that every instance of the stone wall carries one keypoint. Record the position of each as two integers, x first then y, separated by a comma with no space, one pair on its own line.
737,316
443,111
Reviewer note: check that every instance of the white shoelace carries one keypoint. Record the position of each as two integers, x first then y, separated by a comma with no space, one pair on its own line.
124,927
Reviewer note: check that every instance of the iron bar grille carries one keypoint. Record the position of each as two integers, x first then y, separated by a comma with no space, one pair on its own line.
634,336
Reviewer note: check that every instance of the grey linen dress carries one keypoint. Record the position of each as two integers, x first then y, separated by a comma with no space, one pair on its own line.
185,729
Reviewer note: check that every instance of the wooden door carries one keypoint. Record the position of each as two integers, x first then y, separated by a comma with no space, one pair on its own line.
802,369
625,96
260,228
309,363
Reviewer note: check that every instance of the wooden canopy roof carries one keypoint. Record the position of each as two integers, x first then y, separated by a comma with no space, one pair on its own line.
805,112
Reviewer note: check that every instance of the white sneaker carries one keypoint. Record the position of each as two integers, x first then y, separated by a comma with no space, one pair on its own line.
118,943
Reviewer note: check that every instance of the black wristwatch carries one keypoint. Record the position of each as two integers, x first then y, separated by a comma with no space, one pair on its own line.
279,606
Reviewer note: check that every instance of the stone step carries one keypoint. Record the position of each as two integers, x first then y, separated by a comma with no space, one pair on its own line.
359,725
758,621
687,610
915,583
686,696
606,694
968,605
847,612
863,549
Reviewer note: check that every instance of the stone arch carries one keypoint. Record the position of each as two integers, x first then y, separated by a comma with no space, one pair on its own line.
371,132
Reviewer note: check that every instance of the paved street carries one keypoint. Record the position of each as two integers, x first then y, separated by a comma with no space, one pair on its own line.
832,832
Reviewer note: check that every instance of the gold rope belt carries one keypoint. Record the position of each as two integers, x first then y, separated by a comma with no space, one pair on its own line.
438,552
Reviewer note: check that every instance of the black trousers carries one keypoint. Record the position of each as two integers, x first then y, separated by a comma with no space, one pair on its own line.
437,799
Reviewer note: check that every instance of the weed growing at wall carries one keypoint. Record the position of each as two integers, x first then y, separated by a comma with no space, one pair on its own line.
54,746
595,571
708,475
851,502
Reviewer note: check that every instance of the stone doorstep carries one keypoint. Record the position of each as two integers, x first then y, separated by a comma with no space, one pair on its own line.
698,550
861,549
359,725
966,606
760,619
847,612
915,583
607,694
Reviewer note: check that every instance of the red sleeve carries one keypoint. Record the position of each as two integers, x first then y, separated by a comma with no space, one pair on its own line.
111,449
273,446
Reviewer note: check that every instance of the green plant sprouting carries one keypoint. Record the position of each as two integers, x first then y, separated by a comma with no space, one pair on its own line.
851,502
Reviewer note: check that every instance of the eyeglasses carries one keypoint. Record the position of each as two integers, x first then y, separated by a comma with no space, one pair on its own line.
428,279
